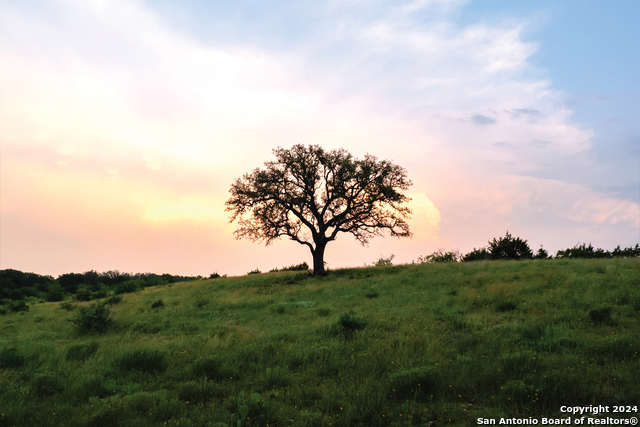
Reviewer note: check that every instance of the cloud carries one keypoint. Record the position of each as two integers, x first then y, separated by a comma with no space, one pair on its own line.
531,113
479,119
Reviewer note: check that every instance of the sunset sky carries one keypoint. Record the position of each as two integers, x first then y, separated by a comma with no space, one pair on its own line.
124,123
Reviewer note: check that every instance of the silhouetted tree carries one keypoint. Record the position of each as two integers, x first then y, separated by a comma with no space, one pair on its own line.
584,251
631,251
477,255
542,254
310,195
509,247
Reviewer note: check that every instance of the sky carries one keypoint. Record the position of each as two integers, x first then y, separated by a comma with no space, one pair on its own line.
123,124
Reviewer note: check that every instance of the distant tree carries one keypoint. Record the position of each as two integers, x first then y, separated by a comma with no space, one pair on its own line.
384,262
542,254
477,255
310,195
583,251
71,281
509,247
631,251
441,255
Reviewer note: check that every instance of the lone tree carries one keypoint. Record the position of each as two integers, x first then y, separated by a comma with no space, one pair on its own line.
311,195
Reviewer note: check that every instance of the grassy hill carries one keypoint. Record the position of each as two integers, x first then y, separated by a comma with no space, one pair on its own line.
425,345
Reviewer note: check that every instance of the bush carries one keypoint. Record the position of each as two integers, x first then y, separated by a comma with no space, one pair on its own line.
477,255
46,385
626,252
81,352
114,300
143,360
416,382
440,256
129,286
15,294
351,323
371,294
542,254
99,294
90,387
83,294
55,293
584,251
296,267
67,306
214,275
11,359
17,306
256,271
601,316
207,368
95,318
508,247
157,304
384,262
506,306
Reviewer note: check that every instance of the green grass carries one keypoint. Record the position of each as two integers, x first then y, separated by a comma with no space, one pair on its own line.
379,346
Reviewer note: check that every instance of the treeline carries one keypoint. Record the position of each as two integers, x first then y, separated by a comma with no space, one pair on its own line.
515,248
17,287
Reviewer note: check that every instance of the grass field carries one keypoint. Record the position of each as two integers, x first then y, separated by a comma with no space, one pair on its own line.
424,345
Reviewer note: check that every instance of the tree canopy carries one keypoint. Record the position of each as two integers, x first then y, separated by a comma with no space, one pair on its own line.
311,195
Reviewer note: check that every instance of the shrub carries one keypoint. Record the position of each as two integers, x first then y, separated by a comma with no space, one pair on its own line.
55,293
323,312
509,247
17,306
214,275
371,294
384,262
417,382
601,316
88,387
143,360
296,267
102,293
201,302
83,294
200,391
15,294
207,368
440,256
351,323
95,318
583,251
46,385
275,377
542,254
11,359
129,286
631,251
81,352
67,306
256,271
114,300
506,306
157,304
477,255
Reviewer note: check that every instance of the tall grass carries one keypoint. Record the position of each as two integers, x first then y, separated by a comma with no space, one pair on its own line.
428,344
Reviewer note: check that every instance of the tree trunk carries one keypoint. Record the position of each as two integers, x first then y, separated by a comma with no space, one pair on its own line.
318,259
